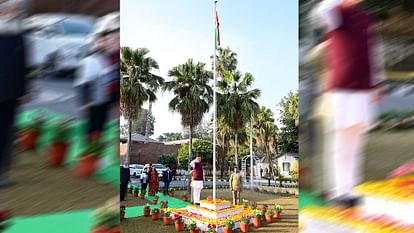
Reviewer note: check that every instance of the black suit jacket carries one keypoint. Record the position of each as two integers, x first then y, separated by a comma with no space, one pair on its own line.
167,176
125,175
12,67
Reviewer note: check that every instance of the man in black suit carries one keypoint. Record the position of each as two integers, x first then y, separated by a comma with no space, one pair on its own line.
12,78
125,179
166,178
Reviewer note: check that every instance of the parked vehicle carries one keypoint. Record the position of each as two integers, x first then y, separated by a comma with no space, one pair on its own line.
136,169
58,42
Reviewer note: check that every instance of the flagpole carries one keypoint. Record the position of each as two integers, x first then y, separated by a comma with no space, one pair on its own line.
214,103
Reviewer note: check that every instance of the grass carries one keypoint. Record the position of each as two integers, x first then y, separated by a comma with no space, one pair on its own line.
40,189
288,222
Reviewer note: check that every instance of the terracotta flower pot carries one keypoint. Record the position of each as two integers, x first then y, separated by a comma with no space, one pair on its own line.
57,153
244,227
227,230
155,216
171,194
129,190
269,218
86,166
135,194
154,201
276,215
166,220
122,216
264,212
28,139
179,226
146,212
195,231
256,222
116,229
162,211
142,196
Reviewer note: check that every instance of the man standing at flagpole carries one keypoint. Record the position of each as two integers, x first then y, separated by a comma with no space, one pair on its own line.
197,179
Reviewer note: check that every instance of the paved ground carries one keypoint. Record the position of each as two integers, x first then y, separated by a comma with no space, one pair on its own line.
288,223
40,189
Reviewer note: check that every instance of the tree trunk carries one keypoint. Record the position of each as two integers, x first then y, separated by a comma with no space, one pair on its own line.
127,158
223,155
147,125
190,158
235,151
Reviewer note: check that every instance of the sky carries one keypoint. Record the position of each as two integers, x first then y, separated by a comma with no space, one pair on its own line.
263,33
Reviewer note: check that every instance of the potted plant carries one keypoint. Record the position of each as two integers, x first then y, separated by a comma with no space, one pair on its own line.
107,218
88,161
269,216
5,216
277,209
30,133
245,203
155,199
122,213
185,197
253,204
130,188
60,143
171,192
166,220
192,226
211,228
257,215
147,210
179,222
155,214
228,226
164,205
136,191
264,209
244,223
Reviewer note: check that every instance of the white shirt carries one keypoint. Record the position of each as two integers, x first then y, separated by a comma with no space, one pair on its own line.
144,177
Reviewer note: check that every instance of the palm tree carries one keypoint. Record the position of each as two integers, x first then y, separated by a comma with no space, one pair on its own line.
138,84
226,60
265,131
224,135
236,103
193,97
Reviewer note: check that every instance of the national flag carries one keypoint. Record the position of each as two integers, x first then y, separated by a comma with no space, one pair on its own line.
217,39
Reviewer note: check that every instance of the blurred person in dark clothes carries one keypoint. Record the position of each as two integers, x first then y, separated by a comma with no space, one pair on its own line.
12,77
125,179
167,176
354,70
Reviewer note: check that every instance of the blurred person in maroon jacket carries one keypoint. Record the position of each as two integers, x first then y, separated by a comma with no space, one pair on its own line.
354,70
197,179
12,77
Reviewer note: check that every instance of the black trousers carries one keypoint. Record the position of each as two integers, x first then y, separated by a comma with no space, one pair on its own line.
166,187
97,117
123,191
7,117
144,188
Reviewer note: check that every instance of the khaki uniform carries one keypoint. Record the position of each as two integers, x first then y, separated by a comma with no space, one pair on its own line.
236,186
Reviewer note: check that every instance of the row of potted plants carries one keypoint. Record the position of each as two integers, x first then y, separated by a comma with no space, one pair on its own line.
107,218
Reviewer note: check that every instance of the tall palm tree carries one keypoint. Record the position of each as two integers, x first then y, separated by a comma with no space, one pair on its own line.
236,102
193,97
224,135
265,131
138,84
226,60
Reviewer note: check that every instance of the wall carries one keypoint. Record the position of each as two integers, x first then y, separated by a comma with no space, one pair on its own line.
150,152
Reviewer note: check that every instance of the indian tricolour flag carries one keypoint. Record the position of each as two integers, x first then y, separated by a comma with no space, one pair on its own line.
217,38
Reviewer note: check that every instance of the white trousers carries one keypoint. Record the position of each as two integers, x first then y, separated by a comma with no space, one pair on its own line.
197,187
346,160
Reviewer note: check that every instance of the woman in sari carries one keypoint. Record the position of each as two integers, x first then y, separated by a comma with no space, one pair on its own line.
153,181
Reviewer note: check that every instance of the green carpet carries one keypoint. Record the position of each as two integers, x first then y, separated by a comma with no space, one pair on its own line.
307,199
138,211
109,172
66,222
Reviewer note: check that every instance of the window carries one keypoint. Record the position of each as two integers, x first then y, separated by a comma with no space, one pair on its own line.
286,167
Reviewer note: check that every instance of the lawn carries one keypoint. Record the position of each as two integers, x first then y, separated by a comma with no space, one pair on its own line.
287,223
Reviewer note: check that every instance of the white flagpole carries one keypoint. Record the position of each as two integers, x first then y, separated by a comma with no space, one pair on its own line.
251,152
214,104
